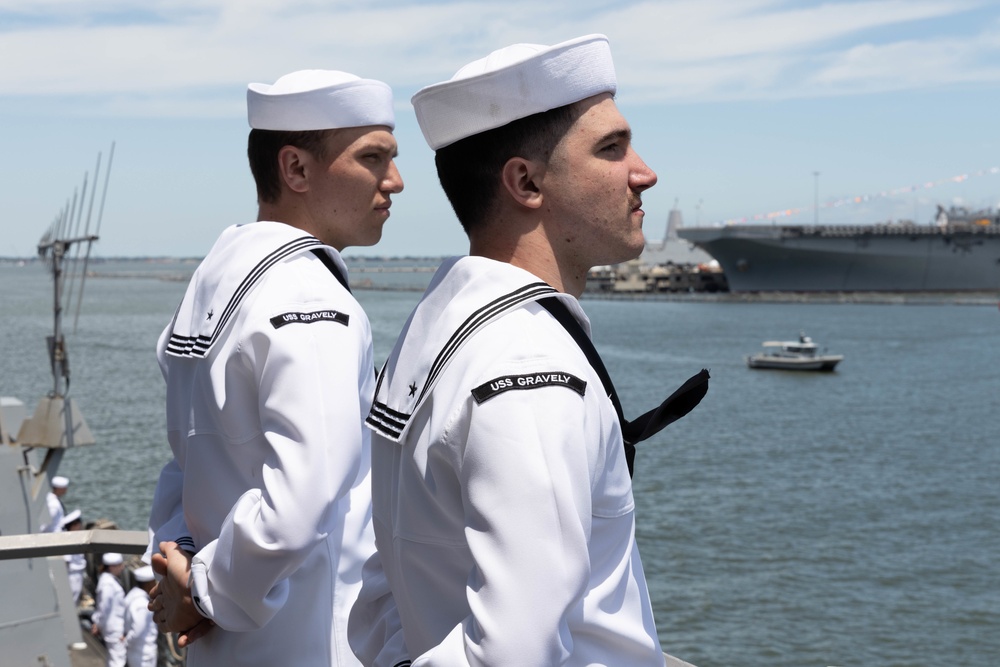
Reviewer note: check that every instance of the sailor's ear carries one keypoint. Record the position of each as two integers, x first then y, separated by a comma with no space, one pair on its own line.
520,180
293,168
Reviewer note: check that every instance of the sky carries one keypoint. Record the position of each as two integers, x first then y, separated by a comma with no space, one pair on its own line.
748,110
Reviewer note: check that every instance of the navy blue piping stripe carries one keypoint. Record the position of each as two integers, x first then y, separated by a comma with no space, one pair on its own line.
380,428
254,276
378,385
389,412
184,542
392,429
386,427
404,663
201,344
476,320
380,419
390,422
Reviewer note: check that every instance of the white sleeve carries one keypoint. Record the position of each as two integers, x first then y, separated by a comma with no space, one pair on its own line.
527,495
166,518
55,514
129,626
375,631
95,618
309,409
137,619
102,603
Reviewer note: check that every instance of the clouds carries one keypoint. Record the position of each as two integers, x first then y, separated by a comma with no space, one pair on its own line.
735,103
912,64
173,58
767,49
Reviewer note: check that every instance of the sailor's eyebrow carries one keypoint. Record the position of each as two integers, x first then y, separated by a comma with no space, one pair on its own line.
616,135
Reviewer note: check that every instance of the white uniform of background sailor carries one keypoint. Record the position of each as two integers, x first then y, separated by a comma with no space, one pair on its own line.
76,563
109,613
140,631
270,372
53,502
502,500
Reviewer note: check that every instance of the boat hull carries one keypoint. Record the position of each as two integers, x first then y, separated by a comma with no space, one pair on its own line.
883,258
772,362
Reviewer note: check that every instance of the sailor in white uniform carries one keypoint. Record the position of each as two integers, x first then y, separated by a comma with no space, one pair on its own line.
108,619
502,499
53,501
76,563
270,373
140,631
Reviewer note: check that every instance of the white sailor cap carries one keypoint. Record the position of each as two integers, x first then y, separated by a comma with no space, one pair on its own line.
512,83
60,482
112,559
70,518
319,99
144,573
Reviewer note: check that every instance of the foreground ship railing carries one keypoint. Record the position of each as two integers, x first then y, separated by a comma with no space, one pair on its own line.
97,541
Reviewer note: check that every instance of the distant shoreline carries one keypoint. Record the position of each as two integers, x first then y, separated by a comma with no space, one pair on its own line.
872,298
403,265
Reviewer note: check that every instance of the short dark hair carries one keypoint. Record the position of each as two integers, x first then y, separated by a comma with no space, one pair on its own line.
262,151
469,169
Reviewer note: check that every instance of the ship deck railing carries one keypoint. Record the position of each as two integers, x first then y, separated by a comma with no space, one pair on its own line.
889,229
41,545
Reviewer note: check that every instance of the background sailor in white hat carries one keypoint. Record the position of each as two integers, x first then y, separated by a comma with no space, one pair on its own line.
53,500
502,500
76,563
139,628
108,619
264,509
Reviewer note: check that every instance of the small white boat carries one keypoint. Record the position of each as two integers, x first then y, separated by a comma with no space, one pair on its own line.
800,355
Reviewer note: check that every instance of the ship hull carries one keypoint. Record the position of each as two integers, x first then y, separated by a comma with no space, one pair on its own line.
886,258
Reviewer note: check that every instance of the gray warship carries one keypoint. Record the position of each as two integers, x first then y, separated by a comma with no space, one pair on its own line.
959,252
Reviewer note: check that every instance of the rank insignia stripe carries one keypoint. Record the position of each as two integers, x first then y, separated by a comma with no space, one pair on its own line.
279,321
488,390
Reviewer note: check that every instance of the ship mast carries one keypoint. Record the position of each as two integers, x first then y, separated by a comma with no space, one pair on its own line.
57,424
55,245
816,199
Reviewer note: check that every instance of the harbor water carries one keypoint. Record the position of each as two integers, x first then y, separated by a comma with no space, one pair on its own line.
792,520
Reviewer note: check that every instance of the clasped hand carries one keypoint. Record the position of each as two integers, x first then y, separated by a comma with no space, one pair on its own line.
170,599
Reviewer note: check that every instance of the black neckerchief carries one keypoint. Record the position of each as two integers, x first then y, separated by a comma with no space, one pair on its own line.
678,404
334,269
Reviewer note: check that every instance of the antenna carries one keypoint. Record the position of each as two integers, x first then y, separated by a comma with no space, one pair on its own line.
100,216
57,424
816,199
75,232
56,246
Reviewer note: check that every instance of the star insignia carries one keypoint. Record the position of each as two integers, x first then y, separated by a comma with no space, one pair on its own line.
210,313
413,389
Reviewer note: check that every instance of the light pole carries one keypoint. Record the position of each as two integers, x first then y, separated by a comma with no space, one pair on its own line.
816,199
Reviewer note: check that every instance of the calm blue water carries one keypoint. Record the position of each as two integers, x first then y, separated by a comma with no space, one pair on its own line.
791,520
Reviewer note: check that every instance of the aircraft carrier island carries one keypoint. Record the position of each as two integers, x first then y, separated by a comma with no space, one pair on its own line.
959,252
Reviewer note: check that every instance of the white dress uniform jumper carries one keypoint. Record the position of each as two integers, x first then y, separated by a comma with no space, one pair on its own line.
502,500
269,370
109,617
140,630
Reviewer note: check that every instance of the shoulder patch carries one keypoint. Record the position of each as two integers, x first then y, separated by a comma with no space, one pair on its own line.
279,321
488,390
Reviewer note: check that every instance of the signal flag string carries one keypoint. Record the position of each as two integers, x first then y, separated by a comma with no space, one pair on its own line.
844,201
